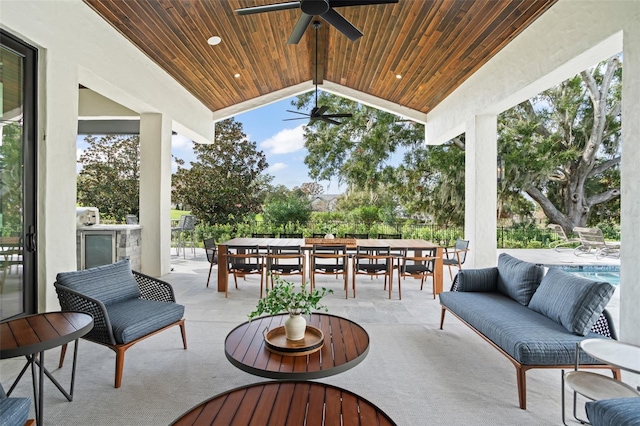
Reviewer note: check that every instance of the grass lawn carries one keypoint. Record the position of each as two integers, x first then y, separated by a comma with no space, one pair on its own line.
175,214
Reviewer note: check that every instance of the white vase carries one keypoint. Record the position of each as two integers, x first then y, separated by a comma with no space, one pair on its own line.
295,327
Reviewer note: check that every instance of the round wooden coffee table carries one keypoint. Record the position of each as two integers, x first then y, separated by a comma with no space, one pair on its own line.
346,344
286,402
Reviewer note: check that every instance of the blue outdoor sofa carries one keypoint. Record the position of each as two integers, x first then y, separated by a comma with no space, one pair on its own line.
533,319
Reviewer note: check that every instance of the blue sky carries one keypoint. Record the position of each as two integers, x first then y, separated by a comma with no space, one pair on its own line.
281,141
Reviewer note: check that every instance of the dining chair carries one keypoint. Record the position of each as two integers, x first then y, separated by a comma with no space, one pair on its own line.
329,260
374,262
285,260
263,235
186,225
245,260
457,256
418,267
292,235
211,249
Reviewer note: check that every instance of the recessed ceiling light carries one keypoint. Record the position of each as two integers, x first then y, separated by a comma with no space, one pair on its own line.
237,75
398,76
214,40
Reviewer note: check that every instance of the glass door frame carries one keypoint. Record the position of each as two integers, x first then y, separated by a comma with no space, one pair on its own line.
30,167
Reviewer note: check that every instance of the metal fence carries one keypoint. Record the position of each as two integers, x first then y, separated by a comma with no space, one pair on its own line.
523,236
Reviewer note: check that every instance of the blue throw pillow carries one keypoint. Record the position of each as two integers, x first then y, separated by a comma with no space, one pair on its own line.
574,302
108,284
518,279
477,279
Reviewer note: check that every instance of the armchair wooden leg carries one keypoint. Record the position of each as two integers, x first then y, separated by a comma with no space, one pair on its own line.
63,352
183,332
444,311
119,365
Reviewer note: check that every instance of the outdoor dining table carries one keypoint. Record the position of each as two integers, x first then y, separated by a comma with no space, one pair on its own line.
414,245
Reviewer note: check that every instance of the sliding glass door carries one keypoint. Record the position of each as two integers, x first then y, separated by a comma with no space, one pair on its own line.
17,177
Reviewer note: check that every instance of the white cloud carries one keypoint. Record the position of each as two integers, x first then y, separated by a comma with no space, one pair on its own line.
181,142
285,141
276,167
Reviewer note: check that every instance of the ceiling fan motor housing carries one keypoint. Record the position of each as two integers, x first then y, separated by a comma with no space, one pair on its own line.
314,7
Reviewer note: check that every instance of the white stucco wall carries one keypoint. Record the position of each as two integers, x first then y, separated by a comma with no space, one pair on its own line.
76,46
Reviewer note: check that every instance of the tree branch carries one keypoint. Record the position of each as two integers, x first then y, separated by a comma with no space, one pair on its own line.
604,166
603,197
532,116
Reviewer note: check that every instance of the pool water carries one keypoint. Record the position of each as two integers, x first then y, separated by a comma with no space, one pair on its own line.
610,274
610,277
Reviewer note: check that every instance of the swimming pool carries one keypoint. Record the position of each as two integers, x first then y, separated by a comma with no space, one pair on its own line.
610,274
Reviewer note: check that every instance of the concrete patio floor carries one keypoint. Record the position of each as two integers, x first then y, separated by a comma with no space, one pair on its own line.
416,373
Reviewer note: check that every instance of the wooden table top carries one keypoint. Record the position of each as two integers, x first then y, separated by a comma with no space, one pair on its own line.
286,402
346,344
373,242
39,332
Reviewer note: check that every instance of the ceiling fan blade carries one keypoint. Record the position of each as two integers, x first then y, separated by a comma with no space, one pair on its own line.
342,25
342,3
297,118
300,28
338,115
298,112
329,120
269,8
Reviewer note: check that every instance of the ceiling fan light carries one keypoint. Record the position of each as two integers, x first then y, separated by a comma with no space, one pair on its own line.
215,40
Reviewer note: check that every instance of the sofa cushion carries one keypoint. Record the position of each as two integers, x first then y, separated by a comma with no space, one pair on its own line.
518,279
527,336
108,283
574,302
135,318
614,412
484,279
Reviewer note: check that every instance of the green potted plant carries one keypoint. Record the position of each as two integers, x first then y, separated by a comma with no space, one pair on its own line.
283,297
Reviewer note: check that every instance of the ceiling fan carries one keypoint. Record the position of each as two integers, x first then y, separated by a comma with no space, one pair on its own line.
318,113
322,8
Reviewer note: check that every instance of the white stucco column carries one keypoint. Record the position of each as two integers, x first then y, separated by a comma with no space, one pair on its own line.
630,198
155,193
481,148
57,132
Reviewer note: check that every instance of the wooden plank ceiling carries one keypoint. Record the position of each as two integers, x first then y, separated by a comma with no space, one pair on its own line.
434,45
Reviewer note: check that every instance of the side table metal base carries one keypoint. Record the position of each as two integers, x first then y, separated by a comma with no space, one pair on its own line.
37,360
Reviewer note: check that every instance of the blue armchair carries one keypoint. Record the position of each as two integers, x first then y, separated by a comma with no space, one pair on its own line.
127,306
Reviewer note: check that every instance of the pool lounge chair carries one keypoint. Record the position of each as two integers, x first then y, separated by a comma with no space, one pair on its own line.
592,241
564,239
